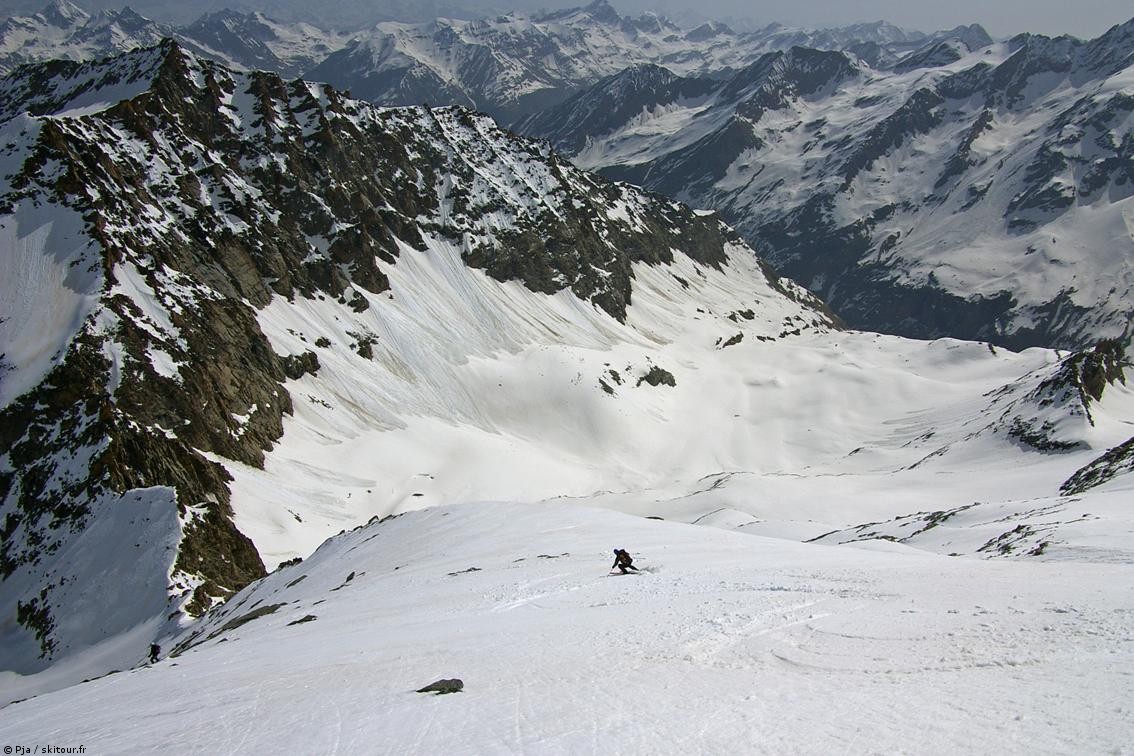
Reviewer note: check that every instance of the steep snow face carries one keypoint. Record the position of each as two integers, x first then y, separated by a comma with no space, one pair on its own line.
487,394
987,196
725,643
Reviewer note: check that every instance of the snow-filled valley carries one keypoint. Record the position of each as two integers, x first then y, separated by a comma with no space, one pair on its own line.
481,391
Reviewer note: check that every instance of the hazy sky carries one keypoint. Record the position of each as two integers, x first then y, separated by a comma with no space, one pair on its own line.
1081,18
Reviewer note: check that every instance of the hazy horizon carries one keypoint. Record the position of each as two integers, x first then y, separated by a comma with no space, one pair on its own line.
1086,20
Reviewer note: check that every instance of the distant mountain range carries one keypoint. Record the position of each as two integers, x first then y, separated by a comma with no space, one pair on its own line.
513,65
507,65
341,14
954,186
63,30
984,192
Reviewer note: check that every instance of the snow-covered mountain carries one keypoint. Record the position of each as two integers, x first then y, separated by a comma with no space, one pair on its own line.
255,41
979,193
62,30
180,240
513,65
241,315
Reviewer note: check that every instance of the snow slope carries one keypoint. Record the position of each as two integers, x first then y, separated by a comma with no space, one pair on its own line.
728,643
48,294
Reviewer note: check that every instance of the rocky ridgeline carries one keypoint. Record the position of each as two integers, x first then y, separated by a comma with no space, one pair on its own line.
1055,408
206,194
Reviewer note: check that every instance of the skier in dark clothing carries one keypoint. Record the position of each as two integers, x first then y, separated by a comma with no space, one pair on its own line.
155,651
623,561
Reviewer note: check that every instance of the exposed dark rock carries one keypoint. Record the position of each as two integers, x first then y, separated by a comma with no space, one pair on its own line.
345,582
298,365
1008,542
1085,376
247,617
695,169
609,103
932,56
733,340
918,115
657,376
441,687
1115,462
1040,437
1070,390
960,160
36,617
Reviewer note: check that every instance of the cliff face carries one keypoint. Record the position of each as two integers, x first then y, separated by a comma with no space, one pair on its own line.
155,203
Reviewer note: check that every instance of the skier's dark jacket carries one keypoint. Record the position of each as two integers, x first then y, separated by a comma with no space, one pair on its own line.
622,557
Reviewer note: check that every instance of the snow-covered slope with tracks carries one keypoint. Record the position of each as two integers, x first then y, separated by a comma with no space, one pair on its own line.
725,643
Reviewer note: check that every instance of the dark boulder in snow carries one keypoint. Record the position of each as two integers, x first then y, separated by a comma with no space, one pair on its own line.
441,687
657,376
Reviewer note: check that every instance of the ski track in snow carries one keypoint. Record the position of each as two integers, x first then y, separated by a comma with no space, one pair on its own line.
737,643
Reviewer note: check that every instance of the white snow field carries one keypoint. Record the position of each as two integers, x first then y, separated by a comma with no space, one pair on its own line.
728,643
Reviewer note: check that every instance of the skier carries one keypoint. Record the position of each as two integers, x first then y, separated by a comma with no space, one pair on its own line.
623,561
155,651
